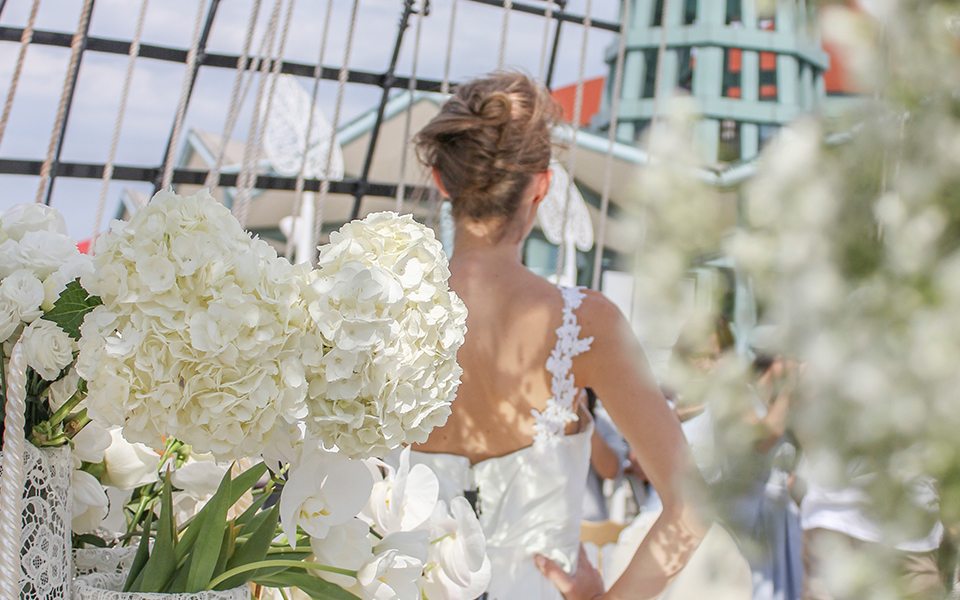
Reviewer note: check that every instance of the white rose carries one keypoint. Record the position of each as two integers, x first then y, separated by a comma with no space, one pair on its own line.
63,389
129,465
347,546
9,257
25,291
326,489
44,251
23,218
90,443
47,349
89,502
75,267
404,499
9,319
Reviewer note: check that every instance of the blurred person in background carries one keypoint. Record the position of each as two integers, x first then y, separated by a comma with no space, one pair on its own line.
765,514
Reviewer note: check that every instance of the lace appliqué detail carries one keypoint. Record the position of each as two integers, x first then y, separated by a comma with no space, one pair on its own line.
550,424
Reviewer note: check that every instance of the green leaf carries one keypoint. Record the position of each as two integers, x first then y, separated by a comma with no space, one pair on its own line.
227,548
254,549
71,307
243,482
161,565
209,537
143,553
313,586
243,520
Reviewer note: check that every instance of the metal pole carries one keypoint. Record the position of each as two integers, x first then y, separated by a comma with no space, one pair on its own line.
386,83
66,112
201,51
556,44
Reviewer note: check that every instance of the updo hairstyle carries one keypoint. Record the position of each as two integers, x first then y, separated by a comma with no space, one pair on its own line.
488,141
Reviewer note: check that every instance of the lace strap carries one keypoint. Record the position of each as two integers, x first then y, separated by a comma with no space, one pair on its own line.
550,424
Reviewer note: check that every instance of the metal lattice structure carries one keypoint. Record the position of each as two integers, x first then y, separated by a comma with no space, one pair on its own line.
197,57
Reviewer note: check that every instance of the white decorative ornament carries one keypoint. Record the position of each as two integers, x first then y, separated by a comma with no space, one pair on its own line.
570,231
284,141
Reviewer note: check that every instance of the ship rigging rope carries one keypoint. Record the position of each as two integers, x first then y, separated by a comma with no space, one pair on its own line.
118,125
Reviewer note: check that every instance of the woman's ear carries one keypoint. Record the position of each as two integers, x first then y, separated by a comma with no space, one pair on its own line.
542,184
438,181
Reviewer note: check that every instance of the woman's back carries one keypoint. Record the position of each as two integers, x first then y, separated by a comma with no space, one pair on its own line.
512,316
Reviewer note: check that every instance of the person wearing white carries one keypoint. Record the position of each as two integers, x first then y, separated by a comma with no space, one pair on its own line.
836,515
517,437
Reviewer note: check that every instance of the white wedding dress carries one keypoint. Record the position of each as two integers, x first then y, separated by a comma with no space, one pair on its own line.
529,501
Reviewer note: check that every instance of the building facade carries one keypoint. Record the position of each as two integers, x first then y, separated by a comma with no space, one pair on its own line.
752,65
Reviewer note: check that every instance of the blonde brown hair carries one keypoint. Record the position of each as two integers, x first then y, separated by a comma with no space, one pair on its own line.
489,139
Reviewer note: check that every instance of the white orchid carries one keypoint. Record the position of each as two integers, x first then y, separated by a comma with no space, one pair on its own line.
324,490
391,575
348,545
404,499
457,566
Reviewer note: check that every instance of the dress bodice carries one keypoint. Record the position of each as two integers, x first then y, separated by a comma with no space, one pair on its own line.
530,501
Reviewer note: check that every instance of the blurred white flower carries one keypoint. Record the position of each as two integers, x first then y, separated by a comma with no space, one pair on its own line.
44,251
47,349
89,502
23,218
324,490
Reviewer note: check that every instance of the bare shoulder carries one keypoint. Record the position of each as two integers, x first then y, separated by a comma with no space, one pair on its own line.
598,314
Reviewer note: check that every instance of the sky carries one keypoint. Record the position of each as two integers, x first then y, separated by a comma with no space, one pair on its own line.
156,85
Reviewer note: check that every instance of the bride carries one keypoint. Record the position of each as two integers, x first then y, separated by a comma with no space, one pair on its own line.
518,440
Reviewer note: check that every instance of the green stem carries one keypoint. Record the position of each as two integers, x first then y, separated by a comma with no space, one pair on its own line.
67,408
265,564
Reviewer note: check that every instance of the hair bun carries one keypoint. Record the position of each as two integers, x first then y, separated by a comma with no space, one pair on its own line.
488,140
496,109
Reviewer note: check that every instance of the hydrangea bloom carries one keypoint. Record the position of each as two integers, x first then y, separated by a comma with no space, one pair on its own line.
391,329
200,333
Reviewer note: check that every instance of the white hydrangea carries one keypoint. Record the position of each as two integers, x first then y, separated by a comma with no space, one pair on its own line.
391,327
200,336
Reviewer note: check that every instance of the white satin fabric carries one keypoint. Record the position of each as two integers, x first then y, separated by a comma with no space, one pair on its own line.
529,502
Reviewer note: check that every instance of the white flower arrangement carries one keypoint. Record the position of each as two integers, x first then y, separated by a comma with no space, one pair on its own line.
205,337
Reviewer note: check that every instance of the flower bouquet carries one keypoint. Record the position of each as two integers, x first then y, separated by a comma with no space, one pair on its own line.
41,308
206,337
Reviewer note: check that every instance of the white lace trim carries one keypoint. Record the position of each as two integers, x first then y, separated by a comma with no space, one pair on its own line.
550,424
104,586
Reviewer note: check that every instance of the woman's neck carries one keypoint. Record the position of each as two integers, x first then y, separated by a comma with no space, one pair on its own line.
486,243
